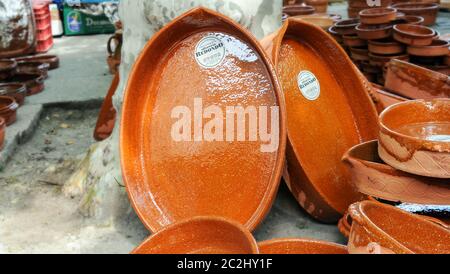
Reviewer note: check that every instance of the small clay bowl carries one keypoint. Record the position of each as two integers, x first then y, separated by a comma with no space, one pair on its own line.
416,82
354,41
428,11
8,109
414,35
381,60
360,54
294,10
436,48
2,132
346,27
200,235
34,82
16,90
300,246
7,68
386,47
371,176
415,137
383,229
33,67
408,19
52,60
373,32
376,16
336,36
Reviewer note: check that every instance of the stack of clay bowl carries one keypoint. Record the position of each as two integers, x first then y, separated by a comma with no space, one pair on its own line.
315,12
355,6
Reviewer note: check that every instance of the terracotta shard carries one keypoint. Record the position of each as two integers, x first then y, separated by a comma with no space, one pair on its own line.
328,113
200,235
107,116
382,229
300,246
415,137
202,60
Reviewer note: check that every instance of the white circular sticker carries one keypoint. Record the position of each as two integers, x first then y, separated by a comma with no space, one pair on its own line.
309,85
210,52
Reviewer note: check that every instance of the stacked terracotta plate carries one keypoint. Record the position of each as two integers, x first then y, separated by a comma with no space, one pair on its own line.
314,12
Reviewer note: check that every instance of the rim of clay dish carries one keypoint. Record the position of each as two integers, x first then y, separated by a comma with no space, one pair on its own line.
300,241
412,6
8,64
377,12
10,104
400,28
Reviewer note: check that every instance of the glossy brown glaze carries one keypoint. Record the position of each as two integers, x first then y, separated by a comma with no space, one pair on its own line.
416,82
376,16
8,109
386,47
346,27
168,180
373,32
415,137
354,41
2,132
7,68
428,11
33,82
414,35
294,10
16,90
384,229
318,178
52,60
384,99
373,177
300,246
200,235
107,116
345,225
436,48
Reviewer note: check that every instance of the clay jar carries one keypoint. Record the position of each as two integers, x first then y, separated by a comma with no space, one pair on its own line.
294,10
386,47
319,5
384,229
7,68
414,35
428,11
52,60
315,174
2,132
373,177
376,16
300,246
416,82
415,137
373,32
346,27
34,82
200,235
8,109
436,48
16,90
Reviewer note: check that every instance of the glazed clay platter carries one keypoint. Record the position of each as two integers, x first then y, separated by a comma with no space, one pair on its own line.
328,111
202,60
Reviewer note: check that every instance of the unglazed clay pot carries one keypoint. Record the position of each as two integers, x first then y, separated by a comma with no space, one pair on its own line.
33,82
107,116
319,5
376,16
363,4
51,60
409,19
336,36
354,41
384,229
16,90
294,10
200,235
428,11
373,177
172,174
360,54
415,137
346,27
384,99
33,68
327,101
8,109
436,48
373,32
7,68
386,47
414,35
416,82
300,246
382,60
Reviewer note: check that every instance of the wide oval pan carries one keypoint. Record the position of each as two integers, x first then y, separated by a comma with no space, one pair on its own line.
322,129
169,181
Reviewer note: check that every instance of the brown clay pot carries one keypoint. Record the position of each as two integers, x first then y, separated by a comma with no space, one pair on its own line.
409,19
386,47
428,11
8,109
436,48
373,32
227,67
373,177
33,68
294,10
107,116
384,229
377,16
2,132
384,99
300,246
51,60
415,137
320,182
416,82
33,82
360,54
414,35
319,5
382,60
16,90
363,4
346,27
336,36
7,68
323,22
200,235
354,41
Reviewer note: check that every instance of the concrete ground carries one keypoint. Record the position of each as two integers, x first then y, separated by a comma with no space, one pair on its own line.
53,131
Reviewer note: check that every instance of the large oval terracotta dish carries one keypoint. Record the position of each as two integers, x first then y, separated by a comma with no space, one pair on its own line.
201,61
328,111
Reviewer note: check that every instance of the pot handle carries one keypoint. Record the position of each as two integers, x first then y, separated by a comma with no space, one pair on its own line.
109,48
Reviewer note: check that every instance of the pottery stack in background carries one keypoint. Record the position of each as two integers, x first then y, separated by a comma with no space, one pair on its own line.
355,6
312,11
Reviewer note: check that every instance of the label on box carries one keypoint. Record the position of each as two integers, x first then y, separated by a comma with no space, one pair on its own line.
309,85
210,52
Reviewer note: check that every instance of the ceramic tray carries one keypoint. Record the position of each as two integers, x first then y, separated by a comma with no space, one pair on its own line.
329,111
201,61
